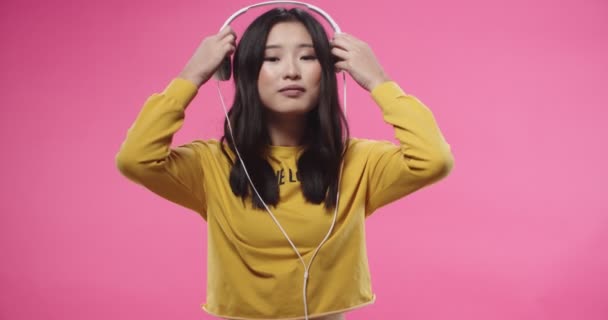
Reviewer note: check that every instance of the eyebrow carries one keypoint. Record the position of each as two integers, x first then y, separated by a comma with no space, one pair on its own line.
278,46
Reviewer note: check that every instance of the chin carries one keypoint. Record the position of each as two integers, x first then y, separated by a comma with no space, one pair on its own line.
290,113
291,110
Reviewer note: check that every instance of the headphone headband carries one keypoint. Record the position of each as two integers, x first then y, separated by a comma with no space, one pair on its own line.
318,10
223,72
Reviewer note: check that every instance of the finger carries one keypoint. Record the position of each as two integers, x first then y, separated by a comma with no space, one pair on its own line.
229,48
352,40
350,37
341,35
342,65
230,38
341,43
225,31
340,53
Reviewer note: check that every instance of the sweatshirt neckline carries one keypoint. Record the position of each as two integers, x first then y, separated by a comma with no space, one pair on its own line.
285,150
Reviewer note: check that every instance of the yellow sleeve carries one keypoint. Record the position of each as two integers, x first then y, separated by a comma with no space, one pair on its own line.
146,156
422,157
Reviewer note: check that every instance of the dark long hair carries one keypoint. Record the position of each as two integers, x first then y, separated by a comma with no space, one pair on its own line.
319,163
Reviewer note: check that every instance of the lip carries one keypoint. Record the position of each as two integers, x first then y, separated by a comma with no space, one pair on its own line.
292,88
292,93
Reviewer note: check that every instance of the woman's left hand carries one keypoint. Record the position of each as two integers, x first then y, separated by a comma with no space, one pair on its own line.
358,59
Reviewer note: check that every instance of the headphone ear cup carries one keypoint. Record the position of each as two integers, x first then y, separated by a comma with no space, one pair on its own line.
224,70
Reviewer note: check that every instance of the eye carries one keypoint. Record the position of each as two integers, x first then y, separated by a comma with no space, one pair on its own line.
271,59
310,57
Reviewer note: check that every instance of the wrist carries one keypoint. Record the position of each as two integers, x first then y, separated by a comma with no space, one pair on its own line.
377,81
196,80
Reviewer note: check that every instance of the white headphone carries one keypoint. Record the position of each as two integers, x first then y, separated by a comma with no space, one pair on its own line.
223,74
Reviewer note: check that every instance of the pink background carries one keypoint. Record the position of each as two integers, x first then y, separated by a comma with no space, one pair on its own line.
519,230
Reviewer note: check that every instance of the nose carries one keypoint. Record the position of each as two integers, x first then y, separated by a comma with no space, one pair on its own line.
291,69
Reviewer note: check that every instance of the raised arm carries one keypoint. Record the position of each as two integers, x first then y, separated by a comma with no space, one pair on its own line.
146,156
422,156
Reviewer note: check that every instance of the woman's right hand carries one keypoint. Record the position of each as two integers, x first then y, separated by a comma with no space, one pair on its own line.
209,55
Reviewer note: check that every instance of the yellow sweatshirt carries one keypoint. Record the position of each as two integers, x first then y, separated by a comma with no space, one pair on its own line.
253,272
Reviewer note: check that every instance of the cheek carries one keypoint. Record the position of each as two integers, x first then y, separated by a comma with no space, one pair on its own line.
315,77
264,81
262,76
314,82
317,73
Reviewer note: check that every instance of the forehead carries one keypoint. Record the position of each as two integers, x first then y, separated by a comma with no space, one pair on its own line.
288,34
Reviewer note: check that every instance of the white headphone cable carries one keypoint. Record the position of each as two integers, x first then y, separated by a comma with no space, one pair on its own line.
306,268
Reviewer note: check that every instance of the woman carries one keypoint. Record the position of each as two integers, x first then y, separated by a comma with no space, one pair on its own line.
292,137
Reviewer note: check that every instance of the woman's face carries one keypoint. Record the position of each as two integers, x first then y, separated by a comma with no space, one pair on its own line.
290,75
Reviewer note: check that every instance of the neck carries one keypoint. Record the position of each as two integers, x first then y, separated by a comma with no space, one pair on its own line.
286,130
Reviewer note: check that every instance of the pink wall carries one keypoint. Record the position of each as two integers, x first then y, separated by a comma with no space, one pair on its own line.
519,230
